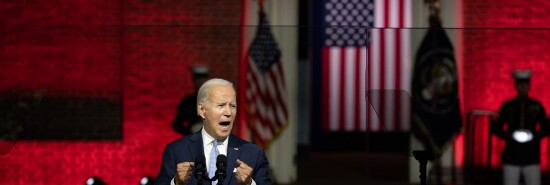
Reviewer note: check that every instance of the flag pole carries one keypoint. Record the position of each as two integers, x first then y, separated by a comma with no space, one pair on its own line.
261,5
242,125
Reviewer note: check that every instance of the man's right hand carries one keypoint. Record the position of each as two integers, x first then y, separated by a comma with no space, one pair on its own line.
185,171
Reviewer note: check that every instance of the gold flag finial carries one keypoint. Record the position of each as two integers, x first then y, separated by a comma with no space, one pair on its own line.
434,6
261,5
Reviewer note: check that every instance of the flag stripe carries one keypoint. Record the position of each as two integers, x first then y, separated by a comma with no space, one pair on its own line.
382,105
350,78
262,111
358,91
394,14
268,100
325,88
281,101
335,86
362,92
368,85
342,88
386,14
401,13
257,87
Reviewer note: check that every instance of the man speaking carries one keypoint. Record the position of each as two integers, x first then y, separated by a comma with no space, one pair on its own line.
246,162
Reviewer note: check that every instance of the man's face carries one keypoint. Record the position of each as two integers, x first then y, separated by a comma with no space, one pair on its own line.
219,111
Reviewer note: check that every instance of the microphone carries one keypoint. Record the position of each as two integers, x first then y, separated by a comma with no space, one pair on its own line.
221,163
200,169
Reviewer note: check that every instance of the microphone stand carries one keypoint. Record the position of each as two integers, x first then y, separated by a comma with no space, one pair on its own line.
203,178
200,176
422,156
220,180
221,162
199,180
219,176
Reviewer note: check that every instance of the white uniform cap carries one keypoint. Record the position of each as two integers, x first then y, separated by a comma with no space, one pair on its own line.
522,74
200,70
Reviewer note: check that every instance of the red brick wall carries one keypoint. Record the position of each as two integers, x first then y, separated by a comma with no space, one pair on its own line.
79,48
508,37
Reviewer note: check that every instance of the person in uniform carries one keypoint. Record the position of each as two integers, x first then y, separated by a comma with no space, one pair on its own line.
187,121
526,125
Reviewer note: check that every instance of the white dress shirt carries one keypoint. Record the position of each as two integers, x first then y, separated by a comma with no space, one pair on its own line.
207,142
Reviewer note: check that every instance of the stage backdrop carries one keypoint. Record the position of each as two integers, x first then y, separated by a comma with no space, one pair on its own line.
135,55
509,35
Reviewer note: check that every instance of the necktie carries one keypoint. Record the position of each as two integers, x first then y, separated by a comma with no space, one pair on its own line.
213,154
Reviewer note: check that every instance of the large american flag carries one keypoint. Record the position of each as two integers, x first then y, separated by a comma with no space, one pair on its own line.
356,68
266,92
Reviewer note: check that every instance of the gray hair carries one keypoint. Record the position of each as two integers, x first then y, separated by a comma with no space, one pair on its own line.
205,87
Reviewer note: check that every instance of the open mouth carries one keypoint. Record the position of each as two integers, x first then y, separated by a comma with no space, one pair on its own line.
224,123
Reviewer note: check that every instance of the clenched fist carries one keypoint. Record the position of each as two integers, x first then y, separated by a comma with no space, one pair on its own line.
185,170
243,173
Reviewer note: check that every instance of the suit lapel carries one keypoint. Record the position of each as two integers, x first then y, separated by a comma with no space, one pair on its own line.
233,153
196,148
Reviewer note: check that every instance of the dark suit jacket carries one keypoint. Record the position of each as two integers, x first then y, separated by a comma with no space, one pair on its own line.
186,150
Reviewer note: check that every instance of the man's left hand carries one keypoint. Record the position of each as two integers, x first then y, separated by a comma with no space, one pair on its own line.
243,173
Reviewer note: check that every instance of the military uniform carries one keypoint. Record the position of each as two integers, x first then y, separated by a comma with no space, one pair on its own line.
521,114
187,121
186,118
526,124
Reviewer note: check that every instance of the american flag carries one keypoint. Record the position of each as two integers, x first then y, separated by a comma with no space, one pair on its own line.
266,93
353,65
